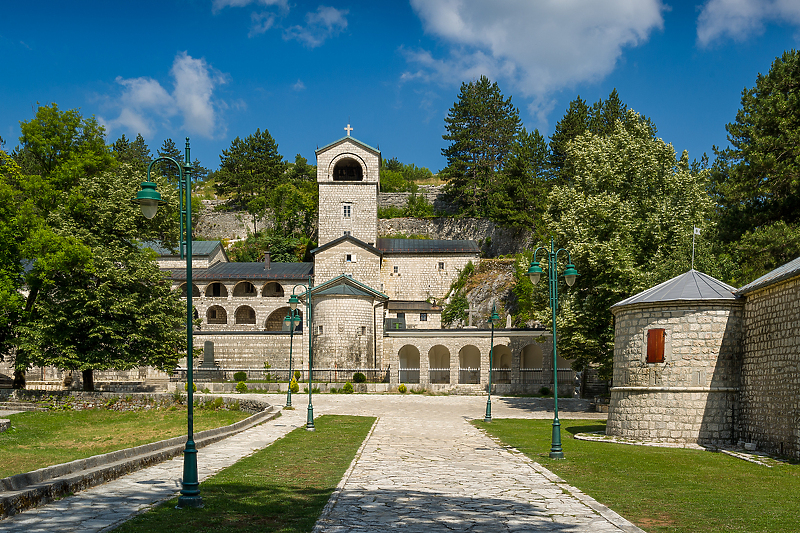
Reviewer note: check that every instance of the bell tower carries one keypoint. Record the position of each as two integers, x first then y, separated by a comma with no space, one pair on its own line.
348,174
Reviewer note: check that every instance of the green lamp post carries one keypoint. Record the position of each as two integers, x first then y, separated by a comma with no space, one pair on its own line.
290,319
494,319
293,301
149,200
534,273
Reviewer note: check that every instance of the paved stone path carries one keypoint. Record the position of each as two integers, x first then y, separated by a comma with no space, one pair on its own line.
424,467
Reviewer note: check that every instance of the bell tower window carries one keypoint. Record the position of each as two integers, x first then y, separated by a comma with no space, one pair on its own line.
347,169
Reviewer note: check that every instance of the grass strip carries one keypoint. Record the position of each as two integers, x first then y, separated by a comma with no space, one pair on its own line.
663,489
283,487
40,439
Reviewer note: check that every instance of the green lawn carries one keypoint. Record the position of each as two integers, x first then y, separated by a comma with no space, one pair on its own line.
664,489
39,439
280,488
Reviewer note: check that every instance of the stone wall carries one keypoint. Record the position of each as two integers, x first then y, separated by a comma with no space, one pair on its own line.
253,349
494,240
770,378
691,395
419,276
347,338
432,193
347,257
347,207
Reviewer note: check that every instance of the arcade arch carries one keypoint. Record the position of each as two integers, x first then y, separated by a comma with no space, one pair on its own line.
216,290
245,315
439,364
216,315
272,289
469,365
195,291
409,364
244,289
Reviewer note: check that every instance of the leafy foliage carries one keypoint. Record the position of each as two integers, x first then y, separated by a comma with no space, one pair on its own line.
457,304
757,179
282,249
482,127
626,218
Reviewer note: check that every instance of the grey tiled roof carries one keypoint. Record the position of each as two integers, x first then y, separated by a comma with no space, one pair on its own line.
344,284
789,270
423,246
407,305
692,285
199,248
347,138
236,271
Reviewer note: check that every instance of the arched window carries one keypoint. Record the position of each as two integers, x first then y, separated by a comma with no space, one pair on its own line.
216,290
347,169
245,315
272,290
244,289
195,291
216,315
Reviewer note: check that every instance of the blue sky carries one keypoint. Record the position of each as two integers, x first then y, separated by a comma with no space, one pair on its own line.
216,69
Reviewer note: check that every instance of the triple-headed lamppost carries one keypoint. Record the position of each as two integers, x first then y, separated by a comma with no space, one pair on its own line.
149,199
494,319
534,272
293,301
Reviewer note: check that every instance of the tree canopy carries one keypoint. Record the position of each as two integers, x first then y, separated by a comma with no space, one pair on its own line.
482,127
757,178
96,300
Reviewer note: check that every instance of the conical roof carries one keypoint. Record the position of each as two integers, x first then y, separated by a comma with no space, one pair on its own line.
692,285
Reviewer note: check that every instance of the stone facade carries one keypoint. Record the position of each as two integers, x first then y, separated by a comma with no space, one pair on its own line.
351,258
344,332
421,276
770,378
691,395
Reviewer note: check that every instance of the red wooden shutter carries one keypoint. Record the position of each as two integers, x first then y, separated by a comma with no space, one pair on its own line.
655,345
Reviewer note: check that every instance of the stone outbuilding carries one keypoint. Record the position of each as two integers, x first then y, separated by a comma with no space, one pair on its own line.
677,361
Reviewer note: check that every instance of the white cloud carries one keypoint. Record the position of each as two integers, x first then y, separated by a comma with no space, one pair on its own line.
145,104
299,86
321,24
738,19
218,5
539,47
261,23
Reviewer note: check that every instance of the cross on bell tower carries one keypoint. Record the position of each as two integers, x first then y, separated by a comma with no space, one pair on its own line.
348,129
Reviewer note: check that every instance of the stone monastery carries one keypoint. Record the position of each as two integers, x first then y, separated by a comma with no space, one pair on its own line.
372,299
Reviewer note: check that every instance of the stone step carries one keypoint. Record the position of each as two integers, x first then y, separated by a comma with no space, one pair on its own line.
20,406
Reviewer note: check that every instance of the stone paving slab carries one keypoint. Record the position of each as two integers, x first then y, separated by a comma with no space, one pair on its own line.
423,467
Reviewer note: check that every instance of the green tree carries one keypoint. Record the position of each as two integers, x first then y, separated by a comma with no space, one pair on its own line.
249,171
526,183
757,179
482,127
86,272
165,168
133,152
627,219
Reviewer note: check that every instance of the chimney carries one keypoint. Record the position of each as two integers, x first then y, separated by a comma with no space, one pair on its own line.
267,262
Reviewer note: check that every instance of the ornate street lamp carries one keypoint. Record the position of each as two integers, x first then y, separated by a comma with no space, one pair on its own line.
149,199
534,273
290,318
494,319
293,301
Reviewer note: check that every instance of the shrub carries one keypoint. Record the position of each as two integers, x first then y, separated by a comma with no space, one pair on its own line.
358,377
544,391
402,388
241,387
194,386
333,390
240,376
293,386
297,375
348,388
